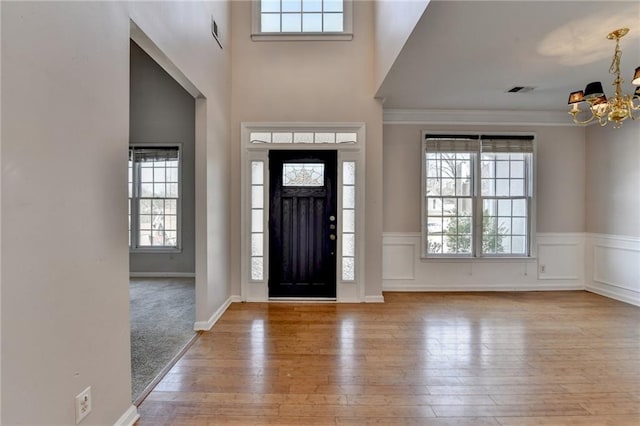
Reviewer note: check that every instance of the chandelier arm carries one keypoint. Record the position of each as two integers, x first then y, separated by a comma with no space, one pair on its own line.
587,121
615,109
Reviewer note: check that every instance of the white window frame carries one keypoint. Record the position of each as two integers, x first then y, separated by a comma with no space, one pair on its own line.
135,217
477,198
345,35
347,291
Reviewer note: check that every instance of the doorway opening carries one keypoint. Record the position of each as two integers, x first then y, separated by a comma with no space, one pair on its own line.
161,220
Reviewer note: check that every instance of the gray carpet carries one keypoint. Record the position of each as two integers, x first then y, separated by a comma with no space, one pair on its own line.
162,317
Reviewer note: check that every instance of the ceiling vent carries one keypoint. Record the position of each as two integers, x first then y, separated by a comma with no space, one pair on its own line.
521,89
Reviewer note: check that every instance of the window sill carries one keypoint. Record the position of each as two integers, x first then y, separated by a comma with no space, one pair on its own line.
159,250
456,259
302,37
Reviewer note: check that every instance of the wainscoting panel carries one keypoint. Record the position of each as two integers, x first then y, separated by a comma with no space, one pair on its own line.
405,270
399,253
613,267
560,256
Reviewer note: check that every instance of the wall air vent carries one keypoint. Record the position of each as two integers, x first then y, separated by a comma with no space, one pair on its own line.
521,89
214,32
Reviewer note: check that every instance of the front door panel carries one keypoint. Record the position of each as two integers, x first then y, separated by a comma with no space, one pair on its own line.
302,224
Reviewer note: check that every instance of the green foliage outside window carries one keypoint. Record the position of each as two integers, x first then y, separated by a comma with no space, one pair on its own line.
458,236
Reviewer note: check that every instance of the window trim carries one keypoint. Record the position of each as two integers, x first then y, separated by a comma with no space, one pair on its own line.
345,35
135,218
477,198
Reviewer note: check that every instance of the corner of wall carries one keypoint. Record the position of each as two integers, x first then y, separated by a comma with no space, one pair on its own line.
613,267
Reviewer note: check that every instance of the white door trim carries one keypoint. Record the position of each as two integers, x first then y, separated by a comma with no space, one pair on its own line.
257,290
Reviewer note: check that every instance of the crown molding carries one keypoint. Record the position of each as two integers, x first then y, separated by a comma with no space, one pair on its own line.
477,117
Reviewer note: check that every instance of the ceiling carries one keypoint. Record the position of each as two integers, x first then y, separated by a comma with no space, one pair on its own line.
465,55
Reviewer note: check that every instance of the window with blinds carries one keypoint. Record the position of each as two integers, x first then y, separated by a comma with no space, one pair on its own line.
154,197
478,195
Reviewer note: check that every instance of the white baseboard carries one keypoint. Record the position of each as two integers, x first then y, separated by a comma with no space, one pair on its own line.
129,417
162,274
615,293
442,288
206,325
374,299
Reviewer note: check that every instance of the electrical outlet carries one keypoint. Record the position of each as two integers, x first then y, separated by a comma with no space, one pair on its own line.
83,404
543,269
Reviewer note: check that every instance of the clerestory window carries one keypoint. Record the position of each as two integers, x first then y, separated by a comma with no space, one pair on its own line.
302,19
478,195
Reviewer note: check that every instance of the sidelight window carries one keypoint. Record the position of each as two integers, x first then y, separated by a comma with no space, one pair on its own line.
348,220
257,220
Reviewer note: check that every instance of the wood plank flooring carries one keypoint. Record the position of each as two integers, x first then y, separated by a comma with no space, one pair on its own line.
535,358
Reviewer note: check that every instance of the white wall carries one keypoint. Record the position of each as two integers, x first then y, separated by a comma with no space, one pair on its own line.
394,23
315,81
560,194
613,211
65,304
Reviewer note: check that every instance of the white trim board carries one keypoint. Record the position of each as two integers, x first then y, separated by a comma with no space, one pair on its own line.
206,325
162,274
476,117
129,417
257,290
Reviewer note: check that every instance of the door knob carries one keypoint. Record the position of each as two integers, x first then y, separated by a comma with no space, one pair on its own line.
332,237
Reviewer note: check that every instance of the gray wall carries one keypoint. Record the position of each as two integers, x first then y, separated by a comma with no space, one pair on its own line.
161,111
613,180
65,132
560,178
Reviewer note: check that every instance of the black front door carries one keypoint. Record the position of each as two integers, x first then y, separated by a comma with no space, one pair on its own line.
302,224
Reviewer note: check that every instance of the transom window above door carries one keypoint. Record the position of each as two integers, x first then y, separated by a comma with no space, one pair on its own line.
303,18
303,137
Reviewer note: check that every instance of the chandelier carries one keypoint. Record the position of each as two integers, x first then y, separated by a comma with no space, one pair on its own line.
616,109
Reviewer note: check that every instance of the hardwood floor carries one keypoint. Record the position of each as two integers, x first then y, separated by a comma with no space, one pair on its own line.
537,358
